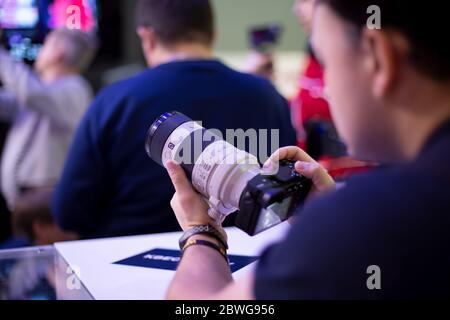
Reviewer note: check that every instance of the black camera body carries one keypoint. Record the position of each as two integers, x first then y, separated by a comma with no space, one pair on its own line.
267,199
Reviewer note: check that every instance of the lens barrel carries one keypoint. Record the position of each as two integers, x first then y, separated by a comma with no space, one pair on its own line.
160,131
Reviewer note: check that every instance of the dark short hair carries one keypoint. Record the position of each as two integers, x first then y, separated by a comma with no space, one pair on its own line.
175,21
423,24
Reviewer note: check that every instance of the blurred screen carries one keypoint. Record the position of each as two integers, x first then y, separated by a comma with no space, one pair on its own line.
273,215
26,23
19,14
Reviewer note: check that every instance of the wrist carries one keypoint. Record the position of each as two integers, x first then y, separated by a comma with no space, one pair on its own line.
208,230
206,237
210,242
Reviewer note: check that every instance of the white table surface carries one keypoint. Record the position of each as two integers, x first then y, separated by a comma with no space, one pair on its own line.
92,261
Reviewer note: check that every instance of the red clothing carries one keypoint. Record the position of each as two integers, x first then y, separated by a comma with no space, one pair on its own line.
310,102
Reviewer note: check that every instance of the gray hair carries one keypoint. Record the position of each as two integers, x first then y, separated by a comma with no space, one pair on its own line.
79,47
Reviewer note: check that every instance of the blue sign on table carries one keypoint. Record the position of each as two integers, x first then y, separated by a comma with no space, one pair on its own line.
169,259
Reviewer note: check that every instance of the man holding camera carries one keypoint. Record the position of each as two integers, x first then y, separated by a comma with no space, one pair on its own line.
385,234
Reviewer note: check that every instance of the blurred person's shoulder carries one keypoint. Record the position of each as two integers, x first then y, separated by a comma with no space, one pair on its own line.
156,82
392,218
75,84
117,96
404,208
397,201
418,188
257,84
124,88
407,189
398,197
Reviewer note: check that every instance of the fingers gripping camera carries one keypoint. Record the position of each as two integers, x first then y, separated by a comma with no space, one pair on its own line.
230,179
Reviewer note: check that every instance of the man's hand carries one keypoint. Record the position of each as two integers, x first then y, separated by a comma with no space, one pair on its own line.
190,208
306,166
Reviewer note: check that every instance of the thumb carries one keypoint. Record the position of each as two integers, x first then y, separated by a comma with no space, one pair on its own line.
178,177
319,176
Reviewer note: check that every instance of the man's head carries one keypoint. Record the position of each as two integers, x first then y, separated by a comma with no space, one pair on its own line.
169,24
388,87
72,50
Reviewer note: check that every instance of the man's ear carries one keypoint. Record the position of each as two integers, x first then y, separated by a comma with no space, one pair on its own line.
383,50
148,42
148,37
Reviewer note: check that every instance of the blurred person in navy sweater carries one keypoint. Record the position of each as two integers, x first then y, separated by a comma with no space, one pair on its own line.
109,186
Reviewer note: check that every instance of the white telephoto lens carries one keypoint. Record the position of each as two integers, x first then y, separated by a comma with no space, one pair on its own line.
220,172
175,142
